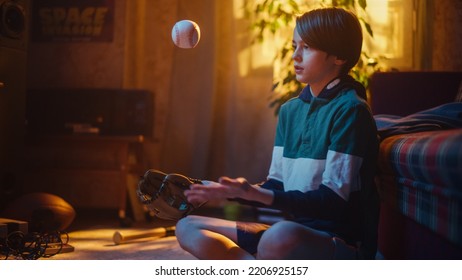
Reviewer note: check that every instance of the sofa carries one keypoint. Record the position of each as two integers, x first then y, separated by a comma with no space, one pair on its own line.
419,118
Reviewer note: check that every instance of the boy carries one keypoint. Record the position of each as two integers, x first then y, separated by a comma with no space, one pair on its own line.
322,167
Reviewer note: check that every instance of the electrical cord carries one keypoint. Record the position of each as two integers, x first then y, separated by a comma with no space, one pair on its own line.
33,245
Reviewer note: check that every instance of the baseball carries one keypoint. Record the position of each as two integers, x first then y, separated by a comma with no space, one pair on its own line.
186,34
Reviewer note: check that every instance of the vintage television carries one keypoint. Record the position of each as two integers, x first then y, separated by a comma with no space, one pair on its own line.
115,112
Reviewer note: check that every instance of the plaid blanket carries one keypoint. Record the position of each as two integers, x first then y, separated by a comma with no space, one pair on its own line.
422,176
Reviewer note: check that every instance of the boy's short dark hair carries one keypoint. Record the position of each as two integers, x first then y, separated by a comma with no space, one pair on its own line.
333,30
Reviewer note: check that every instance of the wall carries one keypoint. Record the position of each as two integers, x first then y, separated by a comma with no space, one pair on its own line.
79,64
209,120
13,55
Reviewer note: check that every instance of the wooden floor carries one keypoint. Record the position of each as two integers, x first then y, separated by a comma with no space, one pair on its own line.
91,237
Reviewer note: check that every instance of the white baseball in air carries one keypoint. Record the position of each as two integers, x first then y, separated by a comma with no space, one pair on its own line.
186,34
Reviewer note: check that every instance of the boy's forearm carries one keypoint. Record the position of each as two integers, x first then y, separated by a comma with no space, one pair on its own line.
264,196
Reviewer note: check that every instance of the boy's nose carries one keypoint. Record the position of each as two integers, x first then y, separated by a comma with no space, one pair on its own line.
296,56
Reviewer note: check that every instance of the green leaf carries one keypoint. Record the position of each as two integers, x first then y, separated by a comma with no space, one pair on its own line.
275,85
362,4
369,29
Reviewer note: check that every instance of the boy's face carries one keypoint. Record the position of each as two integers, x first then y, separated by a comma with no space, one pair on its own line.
312,66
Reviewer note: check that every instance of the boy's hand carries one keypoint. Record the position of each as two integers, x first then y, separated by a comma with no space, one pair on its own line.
223,189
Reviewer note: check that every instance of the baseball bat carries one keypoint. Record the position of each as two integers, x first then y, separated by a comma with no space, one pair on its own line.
159,232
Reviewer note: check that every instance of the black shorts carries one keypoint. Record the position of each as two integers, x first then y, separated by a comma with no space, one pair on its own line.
249,234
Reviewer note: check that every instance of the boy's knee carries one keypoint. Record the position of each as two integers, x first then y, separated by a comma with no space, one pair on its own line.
277,241
188,225
183,226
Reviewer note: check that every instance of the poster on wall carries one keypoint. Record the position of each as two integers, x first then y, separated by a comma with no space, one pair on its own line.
72,21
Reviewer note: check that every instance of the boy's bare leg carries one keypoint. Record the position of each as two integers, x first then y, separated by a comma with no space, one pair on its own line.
289,240
210,238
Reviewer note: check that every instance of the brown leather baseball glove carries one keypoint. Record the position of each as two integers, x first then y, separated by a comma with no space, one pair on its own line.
164,194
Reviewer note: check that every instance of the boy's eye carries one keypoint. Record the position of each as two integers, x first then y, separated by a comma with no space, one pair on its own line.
305,46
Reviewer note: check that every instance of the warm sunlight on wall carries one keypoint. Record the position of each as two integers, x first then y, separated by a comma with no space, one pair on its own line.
393,24
256,56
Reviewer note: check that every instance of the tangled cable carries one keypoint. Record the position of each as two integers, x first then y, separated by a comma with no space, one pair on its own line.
33,245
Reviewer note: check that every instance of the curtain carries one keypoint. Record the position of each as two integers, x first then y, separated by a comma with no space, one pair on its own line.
423,34
211,103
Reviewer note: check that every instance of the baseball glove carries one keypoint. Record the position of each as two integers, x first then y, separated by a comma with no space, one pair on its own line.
163,194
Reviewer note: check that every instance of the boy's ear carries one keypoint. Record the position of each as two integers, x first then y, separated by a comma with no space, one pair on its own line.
339,61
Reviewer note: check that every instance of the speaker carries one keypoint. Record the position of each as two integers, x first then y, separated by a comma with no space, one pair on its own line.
14,30
14,21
